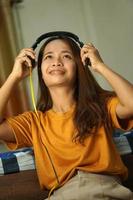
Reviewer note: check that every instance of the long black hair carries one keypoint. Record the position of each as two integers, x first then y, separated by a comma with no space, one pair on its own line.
91,99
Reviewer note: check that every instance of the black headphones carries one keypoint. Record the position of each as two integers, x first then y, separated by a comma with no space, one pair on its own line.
58,34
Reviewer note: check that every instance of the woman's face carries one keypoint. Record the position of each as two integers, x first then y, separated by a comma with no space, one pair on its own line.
58,64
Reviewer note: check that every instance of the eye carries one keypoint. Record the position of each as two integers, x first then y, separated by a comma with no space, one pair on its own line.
67,56
47,57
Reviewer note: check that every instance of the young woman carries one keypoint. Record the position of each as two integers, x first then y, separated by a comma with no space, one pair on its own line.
71,133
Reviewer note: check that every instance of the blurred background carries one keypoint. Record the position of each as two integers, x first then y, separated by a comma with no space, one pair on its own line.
105,23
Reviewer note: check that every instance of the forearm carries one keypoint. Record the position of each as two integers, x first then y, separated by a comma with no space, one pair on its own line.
5,93
122,87
19,72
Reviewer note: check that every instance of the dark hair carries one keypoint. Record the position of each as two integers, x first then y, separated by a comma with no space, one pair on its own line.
91,100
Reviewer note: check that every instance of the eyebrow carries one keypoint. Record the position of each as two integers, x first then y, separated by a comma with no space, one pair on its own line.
51,52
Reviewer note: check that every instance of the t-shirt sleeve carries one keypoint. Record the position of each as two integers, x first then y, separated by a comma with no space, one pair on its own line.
21,126
112,103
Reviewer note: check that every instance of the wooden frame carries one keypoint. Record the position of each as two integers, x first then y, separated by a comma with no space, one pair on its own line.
25,185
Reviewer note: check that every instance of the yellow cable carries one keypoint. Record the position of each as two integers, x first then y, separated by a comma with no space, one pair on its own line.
34,105
32,92
52,189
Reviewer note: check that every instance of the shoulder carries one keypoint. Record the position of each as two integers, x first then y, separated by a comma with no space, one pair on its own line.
27,116
121,123
112,102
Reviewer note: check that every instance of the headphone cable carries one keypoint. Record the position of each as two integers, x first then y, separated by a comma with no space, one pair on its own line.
35,109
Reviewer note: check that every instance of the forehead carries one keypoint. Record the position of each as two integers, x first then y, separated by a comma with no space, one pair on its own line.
57,44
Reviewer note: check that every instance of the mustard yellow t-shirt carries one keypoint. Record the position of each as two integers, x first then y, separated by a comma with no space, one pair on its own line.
97,155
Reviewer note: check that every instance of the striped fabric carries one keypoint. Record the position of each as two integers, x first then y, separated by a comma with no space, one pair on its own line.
23,159
124,142
15,161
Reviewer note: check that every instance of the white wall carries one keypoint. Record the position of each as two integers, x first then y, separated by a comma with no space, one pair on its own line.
35,17
106,23
112,31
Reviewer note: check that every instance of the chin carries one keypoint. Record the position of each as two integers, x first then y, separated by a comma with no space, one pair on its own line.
58,84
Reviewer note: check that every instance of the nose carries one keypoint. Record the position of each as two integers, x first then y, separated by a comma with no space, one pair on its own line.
57,62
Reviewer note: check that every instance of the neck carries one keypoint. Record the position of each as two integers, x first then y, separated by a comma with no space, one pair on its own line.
62,99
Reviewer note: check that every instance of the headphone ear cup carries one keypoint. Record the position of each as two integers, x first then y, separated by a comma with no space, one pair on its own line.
87,62
33,62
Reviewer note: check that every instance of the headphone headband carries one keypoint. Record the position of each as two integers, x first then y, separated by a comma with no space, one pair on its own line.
57,33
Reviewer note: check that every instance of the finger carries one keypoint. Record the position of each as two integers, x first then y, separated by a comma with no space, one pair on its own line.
84,57
28,49
89,44
84,50
28,61
24,56
28,52
25,60
87,48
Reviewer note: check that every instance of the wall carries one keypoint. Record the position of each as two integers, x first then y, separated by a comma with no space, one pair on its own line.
112,31
107,24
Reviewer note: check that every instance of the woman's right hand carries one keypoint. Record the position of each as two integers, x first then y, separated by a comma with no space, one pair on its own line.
21,68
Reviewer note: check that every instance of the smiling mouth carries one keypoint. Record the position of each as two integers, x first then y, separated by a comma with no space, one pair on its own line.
58,72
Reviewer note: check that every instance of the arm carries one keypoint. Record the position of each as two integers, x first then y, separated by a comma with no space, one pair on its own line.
121,86
19,72
5,92
123,89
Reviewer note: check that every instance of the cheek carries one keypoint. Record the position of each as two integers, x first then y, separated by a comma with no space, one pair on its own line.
43,70
73,70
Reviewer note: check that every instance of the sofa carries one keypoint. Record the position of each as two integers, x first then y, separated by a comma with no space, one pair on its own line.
24,185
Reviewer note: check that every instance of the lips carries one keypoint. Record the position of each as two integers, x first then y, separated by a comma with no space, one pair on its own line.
56,71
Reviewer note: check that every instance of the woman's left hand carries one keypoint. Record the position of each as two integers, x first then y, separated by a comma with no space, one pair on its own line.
89,51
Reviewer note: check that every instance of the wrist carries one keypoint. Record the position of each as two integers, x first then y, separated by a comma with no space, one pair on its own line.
13,78
101,67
